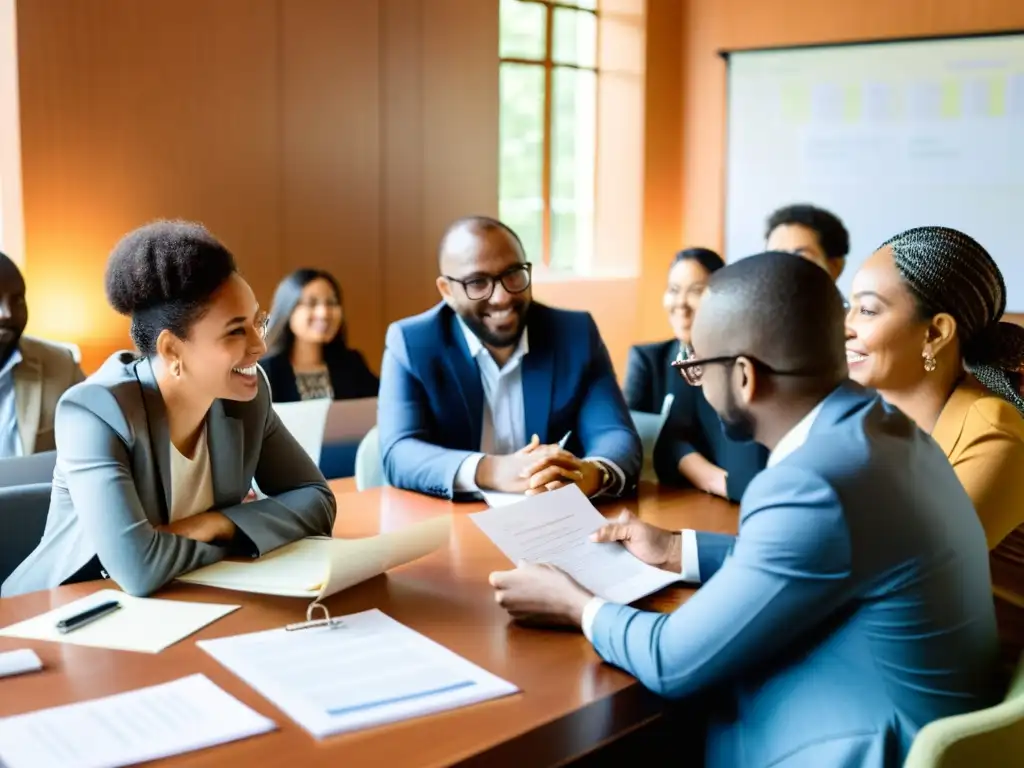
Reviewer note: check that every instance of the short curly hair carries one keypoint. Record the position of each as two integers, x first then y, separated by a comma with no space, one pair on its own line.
832,235
162,276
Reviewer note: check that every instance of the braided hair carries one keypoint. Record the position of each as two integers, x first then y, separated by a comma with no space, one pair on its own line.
947,271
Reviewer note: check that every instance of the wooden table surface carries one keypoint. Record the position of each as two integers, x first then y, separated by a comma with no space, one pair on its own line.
569,703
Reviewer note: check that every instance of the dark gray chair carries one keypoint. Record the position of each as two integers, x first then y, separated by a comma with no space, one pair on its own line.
28,470
23,510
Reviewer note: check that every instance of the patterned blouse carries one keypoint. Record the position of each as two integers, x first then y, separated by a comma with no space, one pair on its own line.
314,385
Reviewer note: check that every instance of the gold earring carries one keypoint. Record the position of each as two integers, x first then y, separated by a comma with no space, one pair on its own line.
929,363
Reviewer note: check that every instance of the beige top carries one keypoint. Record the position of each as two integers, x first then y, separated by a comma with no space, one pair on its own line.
191,481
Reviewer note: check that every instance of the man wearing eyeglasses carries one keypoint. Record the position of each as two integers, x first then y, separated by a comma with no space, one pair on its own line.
489,391
854,606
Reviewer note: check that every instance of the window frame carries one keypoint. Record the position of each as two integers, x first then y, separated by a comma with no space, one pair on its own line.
550,65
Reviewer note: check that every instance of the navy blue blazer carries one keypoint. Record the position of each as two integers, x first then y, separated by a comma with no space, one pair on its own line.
351,378
853,607
430,408
692,423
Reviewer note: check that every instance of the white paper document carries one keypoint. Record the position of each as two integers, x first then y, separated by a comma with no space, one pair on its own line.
129,728
555,528
317,567
649,426
19,662
142,624
498,499
367,671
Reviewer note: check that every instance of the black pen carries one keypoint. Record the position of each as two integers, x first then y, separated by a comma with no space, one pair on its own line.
87,617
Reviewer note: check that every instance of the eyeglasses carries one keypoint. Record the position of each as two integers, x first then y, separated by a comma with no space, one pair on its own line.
514,280
692,370
262,325
312,304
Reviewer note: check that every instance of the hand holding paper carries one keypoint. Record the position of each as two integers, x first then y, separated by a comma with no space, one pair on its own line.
556,528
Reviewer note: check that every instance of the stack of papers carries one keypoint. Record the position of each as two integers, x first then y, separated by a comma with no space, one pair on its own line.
142,624
366,671
555,528
318,567
129,728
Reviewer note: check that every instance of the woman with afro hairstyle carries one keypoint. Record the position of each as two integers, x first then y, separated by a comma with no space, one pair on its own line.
158,449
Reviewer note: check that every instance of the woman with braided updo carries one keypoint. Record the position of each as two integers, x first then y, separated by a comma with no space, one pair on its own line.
924,329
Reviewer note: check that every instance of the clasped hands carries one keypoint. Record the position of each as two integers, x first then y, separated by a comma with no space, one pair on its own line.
537,468
544,594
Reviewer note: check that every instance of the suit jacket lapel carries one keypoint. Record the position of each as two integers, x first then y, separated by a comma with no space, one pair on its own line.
28,399
467,379
159,432
224,438
538,384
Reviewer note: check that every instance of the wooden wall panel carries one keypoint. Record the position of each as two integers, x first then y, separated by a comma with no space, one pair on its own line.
330,114
133,111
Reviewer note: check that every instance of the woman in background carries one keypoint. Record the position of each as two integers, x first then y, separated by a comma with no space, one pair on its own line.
692,447
308,355
924,330
156,451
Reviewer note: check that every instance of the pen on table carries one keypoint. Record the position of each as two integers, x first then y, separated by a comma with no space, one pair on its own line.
79,620
565,439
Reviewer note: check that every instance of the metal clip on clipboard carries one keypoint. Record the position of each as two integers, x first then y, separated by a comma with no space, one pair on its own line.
310,622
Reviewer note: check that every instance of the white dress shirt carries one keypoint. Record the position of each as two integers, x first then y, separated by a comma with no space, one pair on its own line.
790,442
503,427
10,437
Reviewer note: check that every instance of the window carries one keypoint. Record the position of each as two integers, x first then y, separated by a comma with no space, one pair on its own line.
548,128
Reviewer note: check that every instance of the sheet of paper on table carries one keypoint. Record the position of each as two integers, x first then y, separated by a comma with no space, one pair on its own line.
318,567
555,528
129,728
143,624
366,671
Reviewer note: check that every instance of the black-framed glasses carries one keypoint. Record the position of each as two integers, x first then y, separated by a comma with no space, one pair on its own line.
514,280
692,370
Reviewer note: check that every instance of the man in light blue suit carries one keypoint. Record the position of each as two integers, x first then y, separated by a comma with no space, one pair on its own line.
489,391
854,606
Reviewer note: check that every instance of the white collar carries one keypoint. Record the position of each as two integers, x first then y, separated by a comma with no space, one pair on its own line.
796,436
476,346
12,361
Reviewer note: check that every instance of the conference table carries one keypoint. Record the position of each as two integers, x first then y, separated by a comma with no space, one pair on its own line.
569,705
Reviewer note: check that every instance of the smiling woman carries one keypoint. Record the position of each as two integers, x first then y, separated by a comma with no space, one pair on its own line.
156,451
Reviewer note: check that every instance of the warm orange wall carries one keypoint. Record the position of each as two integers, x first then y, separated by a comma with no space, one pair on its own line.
707,26
343,135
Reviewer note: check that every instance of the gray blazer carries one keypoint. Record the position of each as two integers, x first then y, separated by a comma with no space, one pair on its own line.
112,485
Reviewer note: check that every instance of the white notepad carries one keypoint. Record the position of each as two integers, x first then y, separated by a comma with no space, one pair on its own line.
319,566
366,671
555,528
129,728
142,624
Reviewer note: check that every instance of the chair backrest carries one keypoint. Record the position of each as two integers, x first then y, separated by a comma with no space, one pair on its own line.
27,470
987,737
369,465
306,420
23,510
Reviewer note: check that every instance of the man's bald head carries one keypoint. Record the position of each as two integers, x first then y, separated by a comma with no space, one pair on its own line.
778,308
463,238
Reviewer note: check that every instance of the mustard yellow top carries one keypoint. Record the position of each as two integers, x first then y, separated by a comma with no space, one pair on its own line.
983,436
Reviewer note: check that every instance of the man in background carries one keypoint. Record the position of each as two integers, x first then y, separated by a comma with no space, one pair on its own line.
812,233
33,373
490,391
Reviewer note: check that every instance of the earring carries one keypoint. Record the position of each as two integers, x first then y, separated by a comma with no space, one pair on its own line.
177,368
929,363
